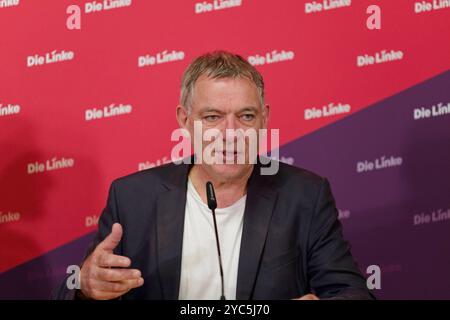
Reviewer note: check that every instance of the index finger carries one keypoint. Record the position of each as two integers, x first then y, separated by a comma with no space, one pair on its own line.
106,259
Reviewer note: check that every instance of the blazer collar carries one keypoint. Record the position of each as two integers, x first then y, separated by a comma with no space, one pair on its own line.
170,213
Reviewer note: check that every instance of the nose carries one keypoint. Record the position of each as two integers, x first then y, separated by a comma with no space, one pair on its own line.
230,122
230,126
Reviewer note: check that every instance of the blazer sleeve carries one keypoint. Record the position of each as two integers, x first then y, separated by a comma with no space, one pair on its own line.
332,271
108,217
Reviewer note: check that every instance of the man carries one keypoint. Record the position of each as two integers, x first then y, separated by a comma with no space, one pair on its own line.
279,234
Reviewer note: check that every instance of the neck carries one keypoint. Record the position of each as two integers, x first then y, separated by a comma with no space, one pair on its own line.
227,191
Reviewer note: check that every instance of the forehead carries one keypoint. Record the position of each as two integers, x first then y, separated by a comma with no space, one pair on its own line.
225,92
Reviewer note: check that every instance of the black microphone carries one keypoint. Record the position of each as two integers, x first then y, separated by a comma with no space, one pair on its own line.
212,205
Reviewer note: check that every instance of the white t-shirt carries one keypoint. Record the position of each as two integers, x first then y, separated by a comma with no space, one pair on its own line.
200,273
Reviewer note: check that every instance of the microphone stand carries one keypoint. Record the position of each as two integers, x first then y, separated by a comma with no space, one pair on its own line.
212,204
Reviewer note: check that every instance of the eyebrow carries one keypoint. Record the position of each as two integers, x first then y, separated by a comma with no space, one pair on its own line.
210,109
249,108
246,108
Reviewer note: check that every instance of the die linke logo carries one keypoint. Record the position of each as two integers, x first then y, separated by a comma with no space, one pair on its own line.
52,164
327,111
73,21
9,109
325,5
438,215
9,216
380,57
148,165
274,56
112,110
378,164
160,58
9,3
91,221
427,6
97,6
373,22
204,6
344,214
437,110
50,58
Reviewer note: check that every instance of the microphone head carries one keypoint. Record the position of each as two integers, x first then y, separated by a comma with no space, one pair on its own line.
211,196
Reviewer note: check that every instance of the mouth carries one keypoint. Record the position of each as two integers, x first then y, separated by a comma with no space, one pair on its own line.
230,156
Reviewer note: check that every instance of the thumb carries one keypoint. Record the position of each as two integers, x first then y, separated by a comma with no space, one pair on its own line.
308,297
113,239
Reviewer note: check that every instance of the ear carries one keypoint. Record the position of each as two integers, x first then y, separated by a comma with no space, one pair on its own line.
182,116
266,113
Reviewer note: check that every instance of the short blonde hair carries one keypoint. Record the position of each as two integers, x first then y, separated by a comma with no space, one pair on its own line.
218,65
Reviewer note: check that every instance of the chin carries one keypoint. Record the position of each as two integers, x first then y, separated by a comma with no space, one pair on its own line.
229,171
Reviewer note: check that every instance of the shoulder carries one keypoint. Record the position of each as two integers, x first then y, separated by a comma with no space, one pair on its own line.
156,178
299,182
292,174
289,175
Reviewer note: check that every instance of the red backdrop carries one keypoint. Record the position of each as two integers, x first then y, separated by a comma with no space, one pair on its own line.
46,119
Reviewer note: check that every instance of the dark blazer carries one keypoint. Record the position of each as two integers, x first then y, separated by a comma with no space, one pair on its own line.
292,241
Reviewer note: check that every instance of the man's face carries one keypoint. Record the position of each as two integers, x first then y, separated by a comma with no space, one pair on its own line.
230,103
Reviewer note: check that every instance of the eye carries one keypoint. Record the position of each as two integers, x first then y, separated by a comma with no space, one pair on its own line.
211,118
247,117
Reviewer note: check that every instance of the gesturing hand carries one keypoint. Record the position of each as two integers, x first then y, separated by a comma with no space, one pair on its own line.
105,275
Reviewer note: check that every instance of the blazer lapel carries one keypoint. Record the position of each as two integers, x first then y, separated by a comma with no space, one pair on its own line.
170,212
261,198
